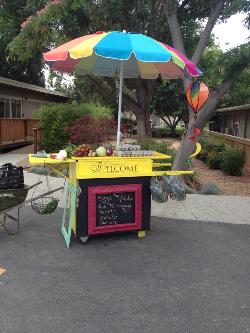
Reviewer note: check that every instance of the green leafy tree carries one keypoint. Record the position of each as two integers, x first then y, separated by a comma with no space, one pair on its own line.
12,14
65,20
233,62
239,93
169,103
171,21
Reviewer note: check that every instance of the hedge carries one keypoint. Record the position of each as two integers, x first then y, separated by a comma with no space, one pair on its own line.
218,155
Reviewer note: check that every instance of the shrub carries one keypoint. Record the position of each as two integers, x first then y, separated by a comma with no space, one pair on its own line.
96,109
54,118
210,189
214,160
203,155
160,147
211,151
90,129
232,162
166,132
212,144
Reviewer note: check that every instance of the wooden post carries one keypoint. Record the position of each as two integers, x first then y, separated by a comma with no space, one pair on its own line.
37,139
1,132
25,130
35,130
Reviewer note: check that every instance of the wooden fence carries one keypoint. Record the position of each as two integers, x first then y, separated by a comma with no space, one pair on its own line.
240,143
14,131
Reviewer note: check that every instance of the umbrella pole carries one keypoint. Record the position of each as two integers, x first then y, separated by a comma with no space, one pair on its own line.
119,108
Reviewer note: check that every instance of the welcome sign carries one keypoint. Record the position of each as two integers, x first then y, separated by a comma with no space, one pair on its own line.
113,168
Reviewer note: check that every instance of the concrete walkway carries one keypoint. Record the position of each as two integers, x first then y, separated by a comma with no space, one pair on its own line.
17,155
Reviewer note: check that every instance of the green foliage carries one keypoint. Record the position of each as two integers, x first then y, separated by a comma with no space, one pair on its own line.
166,132
160,147
239,94
211,143
218,66
203,155
212,70
169,102
235,60
217,155
54,118
232,162
96,109
209,189
214,160
12,13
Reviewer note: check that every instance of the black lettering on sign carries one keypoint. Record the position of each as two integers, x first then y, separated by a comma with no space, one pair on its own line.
115,208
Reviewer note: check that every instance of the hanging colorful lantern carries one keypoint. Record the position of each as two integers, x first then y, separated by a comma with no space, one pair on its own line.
197,94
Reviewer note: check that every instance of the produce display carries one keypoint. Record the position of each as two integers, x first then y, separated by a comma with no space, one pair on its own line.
85,150
132,150
101,151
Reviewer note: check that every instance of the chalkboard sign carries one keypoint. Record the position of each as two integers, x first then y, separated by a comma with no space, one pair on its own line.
116,207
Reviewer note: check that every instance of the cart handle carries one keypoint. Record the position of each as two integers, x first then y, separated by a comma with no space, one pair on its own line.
43,195
31,186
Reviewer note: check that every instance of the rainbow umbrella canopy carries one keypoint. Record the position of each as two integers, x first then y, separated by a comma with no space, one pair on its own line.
130,55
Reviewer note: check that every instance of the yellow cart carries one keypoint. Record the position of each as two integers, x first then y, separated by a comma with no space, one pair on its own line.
107,194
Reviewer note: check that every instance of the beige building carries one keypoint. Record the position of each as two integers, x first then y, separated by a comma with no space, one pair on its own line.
232,121
20,100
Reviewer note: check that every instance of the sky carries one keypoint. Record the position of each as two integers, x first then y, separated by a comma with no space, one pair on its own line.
231,33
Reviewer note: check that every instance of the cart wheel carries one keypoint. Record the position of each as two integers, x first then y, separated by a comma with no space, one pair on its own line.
84,239
141,234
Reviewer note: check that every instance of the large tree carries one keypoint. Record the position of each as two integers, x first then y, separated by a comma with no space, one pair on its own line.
63,20
12,14
185,24
179,13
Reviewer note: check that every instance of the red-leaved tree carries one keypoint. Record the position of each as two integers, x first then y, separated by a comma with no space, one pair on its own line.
92,130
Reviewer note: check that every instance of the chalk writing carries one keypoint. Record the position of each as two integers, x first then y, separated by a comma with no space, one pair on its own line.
115,208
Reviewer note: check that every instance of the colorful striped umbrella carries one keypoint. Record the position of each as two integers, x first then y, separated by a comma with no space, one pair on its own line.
131,55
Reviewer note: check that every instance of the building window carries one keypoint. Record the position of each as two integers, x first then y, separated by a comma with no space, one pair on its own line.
4,108
157,121
236,128
16,109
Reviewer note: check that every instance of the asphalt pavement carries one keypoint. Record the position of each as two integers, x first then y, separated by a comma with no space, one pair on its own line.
184,276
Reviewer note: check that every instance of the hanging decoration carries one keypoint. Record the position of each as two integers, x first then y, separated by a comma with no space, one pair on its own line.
165,187
197,94
157,190
175,189
197,132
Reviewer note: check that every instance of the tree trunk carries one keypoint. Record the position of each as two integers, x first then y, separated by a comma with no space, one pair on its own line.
187,146
173,131
144,90
141,128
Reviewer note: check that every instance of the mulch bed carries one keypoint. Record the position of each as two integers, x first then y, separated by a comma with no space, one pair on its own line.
228,185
